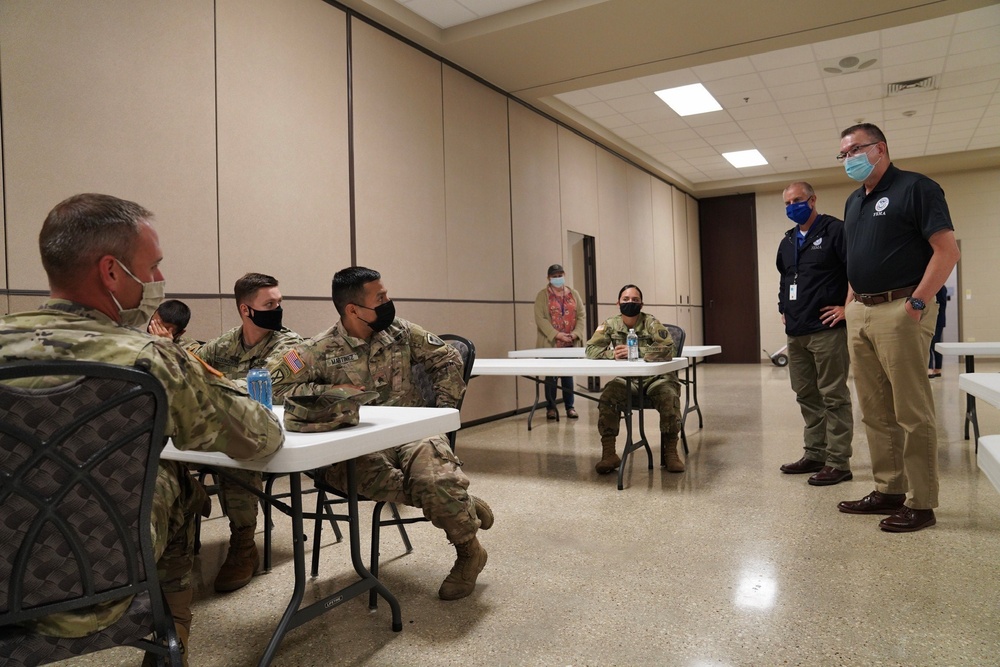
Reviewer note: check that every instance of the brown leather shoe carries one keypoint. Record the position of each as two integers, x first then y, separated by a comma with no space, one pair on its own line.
801,466
874,503
829,476
907,520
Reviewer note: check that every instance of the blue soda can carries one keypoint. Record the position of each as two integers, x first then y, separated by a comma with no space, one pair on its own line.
259,386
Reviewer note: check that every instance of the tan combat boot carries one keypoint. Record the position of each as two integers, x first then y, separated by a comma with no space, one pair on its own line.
241,561
674,462
178,606
461,581
483,511
609,459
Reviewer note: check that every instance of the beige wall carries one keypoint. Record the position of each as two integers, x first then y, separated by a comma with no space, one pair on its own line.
230,121
976,228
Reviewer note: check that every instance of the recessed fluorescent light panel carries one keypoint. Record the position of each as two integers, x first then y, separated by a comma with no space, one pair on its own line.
689,100
740,159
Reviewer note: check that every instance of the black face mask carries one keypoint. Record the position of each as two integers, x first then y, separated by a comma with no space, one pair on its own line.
384,315
630,308
266,319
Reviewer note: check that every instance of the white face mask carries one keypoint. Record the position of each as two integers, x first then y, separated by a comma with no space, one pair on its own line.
152,297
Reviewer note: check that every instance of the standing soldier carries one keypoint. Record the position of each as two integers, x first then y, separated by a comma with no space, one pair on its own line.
102,256
372,349
234,353
663,391
812,261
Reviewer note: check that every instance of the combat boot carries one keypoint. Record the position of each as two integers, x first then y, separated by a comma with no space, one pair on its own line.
483,512
669,445
178,606
241,561
609,459
461,581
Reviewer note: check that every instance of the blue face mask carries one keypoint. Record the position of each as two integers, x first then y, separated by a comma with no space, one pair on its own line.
858,167
799,212
557,282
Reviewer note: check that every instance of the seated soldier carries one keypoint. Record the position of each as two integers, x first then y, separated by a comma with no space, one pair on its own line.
662,391
102,256
170,321
259,336
370,348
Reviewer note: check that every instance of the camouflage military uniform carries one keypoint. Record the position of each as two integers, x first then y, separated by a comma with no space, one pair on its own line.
662,391
424,474
206,412
227,355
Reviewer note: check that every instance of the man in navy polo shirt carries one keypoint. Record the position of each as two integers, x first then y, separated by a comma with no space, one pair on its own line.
900,249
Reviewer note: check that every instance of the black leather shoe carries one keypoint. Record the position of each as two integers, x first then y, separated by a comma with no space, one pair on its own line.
874,503
829,476
803,465
907,520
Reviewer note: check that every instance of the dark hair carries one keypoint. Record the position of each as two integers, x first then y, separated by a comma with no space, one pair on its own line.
870,129
174,312
635,287
349,285
247,286
82,229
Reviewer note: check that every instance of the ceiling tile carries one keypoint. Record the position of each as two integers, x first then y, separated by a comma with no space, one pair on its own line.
645,100
615,121
665,125
970,75
762,123
724,69
956,116
797,90
781,59
713,118
914,70
745,83
803,103
767,133
686,134
978,18
917,32
442,13
596,109
612,91
808,71
687,144
681,77
652,115
976,39
847,46
840,82
911,100
820,114
577,97
695,153
977,103
859,94
977,58
718,129
730,138
630,132
744,112
738,100
968,90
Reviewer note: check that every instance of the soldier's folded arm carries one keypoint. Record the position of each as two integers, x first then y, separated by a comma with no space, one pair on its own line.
210,413
661,346
598,347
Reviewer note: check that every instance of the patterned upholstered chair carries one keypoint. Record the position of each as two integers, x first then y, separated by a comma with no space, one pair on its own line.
78,463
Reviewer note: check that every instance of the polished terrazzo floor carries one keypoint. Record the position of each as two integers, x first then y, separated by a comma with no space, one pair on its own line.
731,563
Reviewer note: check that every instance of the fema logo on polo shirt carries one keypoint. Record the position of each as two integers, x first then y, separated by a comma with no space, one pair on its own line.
818,242
881,204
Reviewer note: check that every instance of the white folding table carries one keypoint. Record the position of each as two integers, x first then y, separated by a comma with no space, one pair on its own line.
969,351
534,369
987,387
380,427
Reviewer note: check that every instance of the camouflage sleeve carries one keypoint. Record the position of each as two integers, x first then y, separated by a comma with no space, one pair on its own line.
661,345
295,370
207,412
599,345
442,362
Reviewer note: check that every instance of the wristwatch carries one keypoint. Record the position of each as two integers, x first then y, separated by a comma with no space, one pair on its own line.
915,303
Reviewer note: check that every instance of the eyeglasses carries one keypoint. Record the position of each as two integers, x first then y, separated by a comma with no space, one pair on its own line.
854,150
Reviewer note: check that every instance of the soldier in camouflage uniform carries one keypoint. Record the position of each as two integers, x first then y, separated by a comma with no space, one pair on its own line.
102,258
234,353
372,349
663,391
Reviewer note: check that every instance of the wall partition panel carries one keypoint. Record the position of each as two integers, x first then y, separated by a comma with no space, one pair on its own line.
613,243
284,203
115,97
663,243
682,260
477,191
577,187
399,163
535,208
640,229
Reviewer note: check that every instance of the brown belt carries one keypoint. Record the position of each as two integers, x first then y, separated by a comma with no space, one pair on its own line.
884,297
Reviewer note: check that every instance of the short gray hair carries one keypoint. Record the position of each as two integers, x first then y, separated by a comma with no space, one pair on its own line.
82,229
805,186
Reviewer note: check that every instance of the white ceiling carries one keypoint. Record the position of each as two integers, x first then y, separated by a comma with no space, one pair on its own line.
595,65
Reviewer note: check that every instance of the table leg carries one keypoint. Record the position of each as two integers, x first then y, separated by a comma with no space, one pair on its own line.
630,445
298,549
970,403
534,405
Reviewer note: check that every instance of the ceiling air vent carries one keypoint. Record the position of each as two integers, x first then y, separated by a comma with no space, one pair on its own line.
913,85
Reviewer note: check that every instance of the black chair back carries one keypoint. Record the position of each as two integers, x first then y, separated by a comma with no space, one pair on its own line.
80,445
426,386
678,335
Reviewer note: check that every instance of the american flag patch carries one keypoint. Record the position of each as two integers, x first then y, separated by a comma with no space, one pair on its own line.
294,362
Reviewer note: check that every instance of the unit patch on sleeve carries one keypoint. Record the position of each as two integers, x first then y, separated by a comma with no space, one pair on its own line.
434,340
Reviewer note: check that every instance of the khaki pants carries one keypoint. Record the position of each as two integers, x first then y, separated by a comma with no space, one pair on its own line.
889,356
818,364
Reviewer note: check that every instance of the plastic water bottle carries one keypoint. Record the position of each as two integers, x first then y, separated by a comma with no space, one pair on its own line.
633,345
259,386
